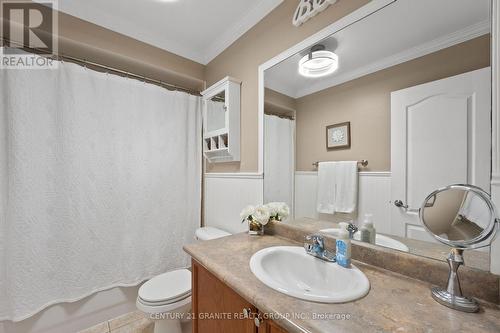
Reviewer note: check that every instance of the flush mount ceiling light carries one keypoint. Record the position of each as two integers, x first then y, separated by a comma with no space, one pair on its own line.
318,62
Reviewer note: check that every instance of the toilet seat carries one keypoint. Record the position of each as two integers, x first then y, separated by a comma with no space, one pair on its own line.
164,302
166,288
179,306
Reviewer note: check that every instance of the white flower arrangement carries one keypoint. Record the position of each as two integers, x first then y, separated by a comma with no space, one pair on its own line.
264,213
278,210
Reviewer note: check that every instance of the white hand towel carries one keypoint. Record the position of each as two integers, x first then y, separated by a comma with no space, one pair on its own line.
346,189
326,187
337,187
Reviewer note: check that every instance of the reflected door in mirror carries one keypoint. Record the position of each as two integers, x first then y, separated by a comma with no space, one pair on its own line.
438,138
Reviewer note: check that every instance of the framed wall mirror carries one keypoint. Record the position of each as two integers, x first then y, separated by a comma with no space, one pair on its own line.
413,80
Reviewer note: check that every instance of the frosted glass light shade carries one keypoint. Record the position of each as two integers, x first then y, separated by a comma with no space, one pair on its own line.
318,63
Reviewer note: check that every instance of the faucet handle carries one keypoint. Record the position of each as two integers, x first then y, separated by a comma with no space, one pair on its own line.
352,228
313,237
317,248
316,239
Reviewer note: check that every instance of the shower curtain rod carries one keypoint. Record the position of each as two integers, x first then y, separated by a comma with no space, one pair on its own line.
283,116
86,63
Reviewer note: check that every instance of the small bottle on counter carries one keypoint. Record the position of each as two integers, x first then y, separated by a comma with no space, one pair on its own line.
367,231
343,245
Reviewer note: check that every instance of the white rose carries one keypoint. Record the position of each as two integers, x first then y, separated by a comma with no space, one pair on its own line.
247,211
261,214
284,211
278,208
273,208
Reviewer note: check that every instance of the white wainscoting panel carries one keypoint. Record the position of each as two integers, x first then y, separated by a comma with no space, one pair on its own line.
226,194
373,197
306,193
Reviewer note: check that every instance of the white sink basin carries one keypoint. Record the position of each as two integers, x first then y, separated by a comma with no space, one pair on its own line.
381,240
290,270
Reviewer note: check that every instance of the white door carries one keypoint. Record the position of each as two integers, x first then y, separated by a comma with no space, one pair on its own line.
440,135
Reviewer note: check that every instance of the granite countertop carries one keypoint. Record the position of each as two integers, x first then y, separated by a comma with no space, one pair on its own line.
394,303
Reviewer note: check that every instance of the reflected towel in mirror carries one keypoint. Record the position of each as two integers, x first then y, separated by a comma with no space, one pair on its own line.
337,187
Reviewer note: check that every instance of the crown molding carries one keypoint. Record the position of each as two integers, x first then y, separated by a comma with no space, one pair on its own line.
202,54
435,45
261,10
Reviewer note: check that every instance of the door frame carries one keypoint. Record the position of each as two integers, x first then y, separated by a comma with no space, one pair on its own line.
495,126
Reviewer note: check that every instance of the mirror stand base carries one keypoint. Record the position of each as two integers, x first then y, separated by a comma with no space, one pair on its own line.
460,303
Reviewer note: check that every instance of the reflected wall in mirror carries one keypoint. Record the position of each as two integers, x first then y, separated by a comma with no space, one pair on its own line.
216,112
418,99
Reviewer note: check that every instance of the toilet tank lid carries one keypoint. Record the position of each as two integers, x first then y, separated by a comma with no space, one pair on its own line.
207,233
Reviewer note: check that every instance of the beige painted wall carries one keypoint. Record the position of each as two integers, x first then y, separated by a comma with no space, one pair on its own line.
279,104
365,102
271,36
86,40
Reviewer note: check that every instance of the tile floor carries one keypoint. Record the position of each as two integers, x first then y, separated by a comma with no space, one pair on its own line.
133,322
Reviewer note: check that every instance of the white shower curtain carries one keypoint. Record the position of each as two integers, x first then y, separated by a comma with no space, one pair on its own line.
279,160
99,184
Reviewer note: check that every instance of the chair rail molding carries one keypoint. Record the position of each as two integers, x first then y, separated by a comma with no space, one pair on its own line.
235,175
495,126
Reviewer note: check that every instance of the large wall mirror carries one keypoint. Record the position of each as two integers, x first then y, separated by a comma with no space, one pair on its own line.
404,95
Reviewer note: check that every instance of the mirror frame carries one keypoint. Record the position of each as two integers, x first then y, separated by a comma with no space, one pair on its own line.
484,238
368,9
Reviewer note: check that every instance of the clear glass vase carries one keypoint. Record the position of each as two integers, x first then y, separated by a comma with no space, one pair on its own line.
255,228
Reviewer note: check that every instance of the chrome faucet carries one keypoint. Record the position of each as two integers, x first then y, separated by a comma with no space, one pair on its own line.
316,248
352,230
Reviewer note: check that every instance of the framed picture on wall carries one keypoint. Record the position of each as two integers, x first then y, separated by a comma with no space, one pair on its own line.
338,136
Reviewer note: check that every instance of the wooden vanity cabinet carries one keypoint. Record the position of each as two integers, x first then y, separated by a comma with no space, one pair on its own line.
219,309
269,326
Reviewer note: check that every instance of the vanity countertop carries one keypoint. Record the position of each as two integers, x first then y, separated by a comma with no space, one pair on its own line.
394,303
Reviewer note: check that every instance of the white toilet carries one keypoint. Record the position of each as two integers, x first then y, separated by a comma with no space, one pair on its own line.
166,298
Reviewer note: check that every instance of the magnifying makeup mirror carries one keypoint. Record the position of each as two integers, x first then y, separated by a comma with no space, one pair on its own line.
462,217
